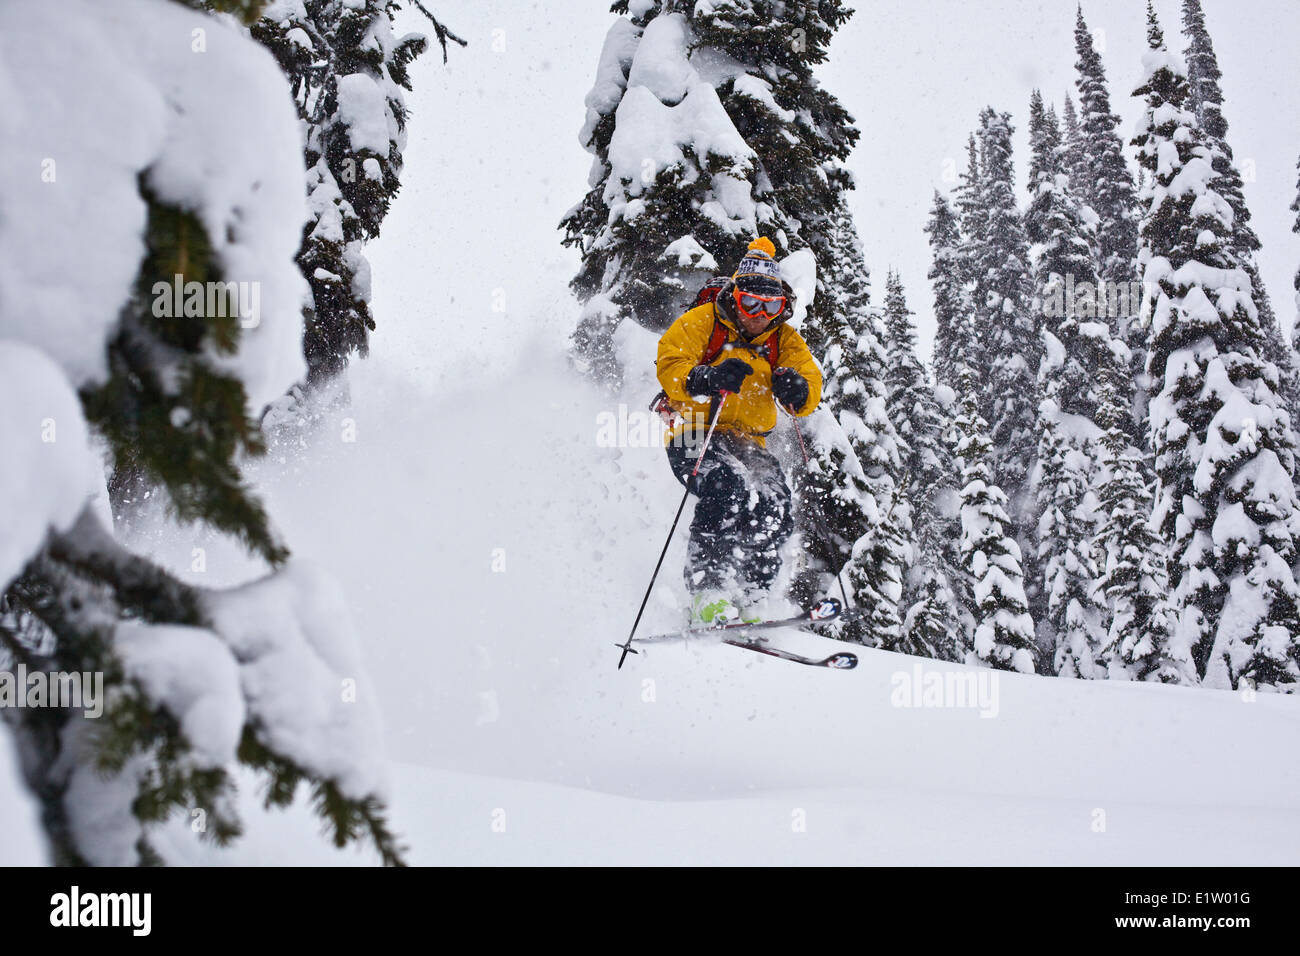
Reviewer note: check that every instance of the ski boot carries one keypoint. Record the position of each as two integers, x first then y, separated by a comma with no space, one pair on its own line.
713,607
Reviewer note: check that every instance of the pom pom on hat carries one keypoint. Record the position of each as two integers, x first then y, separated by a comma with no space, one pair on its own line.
759,260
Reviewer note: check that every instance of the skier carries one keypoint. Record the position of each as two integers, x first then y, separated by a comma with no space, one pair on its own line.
736,349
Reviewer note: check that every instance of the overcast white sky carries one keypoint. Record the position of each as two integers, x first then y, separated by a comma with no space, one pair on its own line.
494,162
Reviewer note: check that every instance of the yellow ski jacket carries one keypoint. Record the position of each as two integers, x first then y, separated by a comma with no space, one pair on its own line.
751,412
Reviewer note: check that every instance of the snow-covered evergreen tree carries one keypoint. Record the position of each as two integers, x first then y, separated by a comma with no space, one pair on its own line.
1078,340
1110,182
1295,227
844,285
1224,449
952,306
164,378
972,217
1278,351
856,462
1010,348
1072,616
1110,193
798,129
848,517
835,505
855,363
691,161
1134,583
1044,146
1073,157
931,627
874,577
1078,350
246,11
1004,630
911,403
347,70
1205,99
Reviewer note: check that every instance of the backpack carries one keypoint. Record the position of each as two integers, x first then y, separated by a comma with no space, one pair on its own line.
710,291
770,350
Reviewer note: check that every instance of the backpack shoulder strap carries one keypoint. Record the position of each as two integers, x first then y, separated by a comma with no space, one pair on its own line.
771,349
717,339
773,344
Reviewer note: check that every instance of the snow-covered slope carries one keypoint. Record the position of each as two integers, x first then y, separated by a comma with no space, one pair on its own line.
493,553
503,705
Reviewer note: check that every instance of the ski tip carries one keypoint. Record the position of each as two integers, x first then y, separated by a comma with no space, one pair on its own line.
826,609
841,662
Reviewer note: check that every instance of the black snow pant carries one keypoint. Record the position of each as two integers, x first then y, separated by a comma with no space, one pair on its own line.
742,518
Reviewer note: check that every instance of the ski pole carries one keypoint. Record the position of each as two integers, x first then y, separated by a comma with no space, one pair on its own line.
715,409
821,519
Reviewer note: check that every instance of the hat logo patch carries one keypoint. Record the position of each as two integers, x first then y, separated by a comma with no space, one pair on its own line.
758,265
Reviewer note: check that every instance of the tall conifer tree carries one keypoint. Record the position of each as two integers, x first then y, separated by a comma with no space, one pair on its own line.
1110,192
930,626
952,306
690,166
347,70
1224,454
1205,99
1004,630
1009,330
1134,581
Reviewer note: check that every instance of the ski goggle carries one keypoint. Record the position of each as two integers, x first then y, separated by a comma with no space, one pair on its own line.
752,306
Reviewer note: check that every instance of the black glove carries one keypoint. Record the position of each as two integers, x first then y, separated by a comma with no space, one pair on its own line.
727,376
790,388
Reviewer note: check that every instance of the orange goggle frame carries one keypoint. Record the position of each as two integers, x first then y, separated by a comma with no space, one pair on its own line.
758,305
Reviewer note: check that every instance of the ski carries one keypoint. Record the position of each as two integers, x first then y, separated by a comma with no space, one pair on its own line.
843,661
825,610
